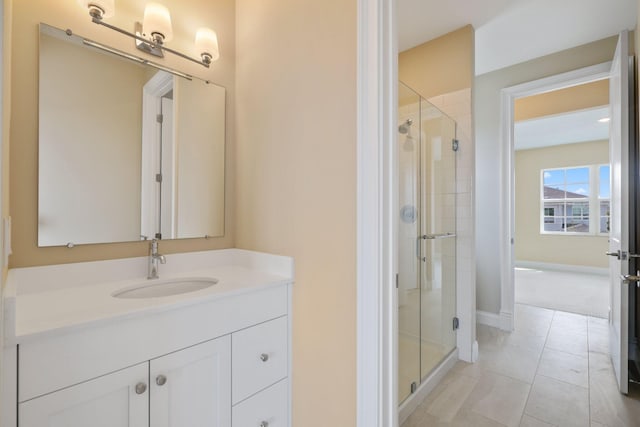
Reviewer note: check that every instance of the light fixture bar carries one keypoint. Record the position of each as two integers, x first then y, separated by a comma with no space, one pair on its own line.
135,58
97,20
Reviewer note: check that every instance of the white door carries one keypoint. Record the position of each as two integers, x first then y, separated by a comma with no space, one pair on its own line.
620,204
192,387
120,399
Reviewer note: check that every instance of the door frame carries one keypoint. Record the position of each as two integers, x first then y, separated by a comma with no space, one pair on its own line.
377,76
508,96
159,85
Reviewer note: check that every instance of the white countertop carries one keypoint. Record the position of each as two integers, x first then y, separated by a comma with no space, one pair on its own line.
54,299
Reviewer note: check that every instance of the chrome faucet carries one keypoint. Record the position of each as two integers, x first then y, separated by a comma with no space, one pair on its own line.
154,257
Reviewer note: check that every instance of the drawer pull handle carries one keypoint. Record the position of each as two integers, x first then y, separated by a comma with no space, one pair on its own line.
141,388
161,380
264,424
264,357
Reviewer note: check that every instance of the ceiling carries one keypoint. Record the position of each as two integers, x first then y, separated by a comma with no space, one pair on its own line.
567,128
513,31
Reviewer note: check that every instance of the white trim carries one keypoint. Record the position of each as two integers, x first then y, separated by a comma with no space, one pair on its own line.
377,396
563,267
488,319
157,86
503,321
507,205
427,386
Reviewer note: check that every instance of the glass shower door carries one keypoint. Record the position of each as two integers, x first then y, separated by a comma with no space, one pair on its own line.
426,239
408,244
438,232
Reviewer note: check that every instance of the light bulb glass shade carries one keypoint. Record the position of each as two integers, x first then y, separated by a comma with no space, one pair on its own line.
157,19
207,43
107,6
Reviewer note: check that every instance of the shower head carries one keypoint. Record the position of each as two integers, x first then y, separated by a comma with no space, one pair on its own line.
404,128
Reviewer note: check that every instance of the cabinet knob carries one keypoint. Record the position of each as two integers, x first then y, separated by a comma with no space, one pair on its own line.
161,380
264,357
264,424
141,388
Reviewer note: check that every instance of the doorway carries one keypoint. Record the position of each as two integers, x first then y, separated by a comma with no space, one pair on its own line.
562,199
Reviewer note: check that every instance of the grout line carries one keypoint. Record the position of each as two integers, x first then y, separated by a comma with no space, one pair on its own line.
538,366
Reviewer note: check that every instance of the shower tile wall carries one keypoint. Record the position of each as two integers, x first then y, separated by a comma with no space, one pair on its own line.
457,105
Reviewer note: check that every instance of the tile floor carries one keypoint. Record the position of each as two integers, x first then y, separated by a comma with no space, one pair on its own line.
554,370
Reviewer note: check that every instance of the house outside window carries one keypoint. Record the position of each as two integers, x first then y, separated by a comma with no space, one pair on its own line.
575,200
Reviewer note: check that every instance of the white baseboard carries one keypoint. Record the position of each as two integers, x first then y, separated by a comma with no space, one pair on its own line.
563,267
488,319
503,321
412,402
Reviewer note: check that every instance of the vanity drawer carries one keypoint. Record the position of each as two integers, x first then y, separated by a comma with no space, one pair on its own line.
259,357
268,408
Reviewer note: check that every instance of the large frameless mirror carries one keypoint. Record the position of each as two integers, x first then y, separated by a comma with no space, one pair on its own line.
127,151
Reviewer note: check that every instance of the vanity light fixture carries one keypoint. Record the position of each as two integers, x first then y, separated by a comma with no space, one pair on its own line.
154,30
604,120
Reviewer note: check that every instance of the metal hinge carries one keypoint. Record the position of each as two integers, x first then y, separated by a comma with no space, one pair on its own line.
397,281
456,323
159,118
158,177
455,144
414,387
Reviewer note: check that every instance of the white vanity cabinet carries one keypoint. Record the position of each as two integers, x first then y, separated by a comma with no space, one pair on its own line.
190,387
107,401
217,357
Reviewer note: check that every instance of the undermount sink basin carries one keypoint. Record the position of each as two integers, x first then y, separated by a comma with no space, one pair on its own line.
163,288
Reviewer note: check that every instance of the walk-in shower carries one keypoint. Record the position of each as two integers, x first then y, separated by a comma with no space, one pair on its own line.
426,240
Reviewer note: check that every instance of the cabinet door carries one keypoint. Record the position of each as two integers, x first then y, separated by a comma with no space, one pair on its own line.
192,387
119,399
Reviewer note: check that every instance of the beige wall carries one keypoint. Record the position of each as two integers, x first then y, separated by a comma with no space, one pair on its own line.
296,136
23,140
6,115
532,246
588,95
452,71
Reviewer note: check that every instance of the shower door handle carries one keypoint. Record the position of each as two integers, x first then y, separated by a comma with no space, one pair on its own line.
438,236
419,249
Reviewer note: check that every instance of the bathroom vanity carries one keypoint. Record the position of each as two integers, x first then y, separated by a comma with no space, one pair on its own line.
207,344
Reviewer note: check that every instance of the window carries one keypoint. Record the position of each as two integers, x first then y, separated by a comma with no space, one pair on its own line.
575,200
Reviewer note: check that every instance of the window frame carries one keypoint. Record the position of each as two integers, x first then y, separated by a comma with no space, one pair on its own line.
593,202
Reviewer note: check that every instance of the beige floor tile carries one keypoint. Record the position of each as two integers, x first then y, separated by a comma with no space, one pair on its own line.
446,405
565,367
566,341
499,398
523,337
558,403
462,419
528,421
608,406
598,335
570,322
513,361
469,369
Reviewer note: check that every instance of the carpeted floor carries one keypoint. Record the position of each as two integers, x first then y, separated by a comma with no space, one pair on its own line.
580,293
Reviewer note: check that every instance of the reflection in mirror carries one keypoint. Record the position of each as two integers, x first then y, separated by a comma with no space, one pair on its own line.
126,151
